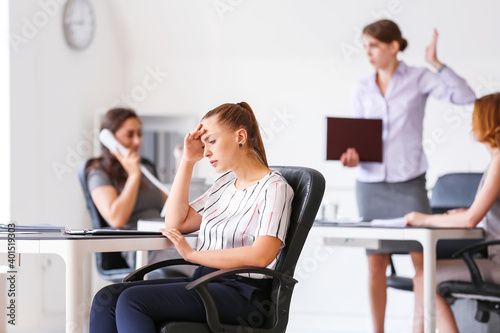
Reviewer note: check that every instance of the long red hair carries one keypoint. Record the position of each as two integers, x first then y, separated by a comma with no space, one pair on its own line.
486,120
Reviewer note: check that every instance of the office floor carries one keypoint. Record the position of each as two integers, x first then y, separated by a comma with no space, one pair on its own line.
306,323
326,323
341,318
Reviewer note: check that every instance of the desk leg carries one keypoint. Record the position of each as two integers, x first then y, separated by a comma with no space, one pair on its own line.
429,247
76,307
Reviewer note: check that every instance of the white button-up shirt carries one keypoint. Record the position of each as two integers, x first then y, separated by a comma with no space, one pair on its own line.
402,113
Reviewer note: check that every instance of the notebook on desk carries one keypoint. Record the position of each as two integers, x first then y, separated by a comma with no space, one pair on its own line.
30,228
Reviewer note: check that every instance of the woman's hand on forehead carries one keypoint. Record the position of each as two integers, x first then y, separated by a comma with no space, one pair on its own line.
197,132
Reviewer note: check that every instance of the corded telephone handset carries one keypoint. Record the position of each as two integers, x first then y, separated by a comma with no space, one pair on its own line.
109,141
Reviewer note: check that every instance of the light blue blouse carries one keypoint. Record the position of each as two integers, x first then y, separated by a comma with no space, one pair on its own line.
402,112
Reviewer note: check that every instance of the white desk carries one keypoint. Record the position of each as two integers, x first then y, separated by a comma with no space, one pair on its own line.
349,235
73,249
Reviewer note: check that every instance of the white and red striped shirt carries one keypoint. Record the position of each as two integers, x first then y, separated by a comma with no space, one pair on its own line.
235,218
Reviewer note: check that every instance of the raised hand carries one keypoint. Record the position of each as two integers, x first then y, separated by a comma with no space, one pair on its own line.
431,53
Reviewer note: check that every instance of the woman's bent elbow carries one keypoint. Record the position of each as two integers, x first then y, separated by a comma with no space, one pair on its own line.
260,262
117,223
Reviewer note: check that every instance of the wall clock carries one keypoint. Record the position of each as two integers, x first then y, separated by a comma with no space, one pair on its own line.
79,23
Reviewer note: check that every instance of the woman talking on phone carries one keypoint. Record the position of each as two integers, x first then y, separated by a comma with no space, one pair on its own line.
121,193
397,94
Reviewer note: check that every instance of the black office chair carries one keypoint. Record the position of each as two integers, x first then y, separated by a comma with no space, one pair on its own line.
486,294
451,191
309,187
110,265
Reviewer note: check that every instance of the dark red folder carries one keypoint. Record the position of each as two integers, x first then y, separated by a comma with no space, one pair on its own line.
365,135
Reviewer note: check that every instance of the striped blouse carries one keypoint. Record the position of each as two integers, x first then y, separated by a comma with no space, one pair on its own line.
234,218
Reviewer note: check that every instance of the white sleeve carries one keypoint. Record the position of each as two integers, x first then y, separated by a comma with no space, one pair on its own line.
275,210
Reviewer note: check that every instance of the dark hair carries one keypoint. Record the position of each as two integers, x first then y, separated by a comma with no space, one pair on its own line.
237,116
486,120
386,31
113,120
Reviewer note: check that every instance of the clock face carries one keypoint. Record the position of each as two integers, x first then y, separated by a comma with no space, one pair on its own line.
79,23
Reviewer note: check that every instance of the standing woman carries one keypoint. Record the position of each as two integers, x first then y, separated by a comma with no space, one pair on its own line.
242,221
397,94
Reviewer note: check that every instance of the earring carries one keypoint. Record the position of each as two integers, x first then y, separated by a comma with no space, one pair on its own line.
241,145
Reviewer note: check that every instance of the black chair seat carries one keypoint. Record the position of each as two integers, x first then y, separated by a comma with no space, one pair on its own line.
486,294
460,289
400,282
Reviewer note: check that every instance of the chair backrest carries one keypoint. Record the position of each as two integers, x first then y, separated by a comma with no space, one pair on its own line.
110,265
308,187
454,190
97,219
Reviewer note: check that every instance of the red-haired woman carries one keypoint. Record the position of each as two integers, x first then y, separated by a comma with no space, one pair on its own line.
242,221
486,208
397,94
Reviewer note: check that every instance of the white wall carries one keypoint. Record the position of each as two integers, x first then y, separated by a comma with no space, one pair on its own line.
301,58
293,61
54,94
55,91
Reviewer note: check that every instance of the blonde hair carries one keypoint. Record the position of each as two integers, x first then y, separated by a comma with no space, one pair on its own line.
486,120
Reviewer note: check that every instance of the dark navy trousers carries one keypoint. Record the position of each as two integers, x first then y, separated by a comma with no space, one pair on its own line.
140,306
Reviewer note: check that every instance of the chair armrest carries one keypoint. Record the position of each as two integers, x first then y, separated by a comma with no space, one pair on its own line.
200,286
467,256
476,248
244,269
139,273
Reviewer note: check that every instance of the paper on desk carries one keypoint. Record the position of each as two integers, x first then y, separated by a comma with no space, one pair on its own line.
397,222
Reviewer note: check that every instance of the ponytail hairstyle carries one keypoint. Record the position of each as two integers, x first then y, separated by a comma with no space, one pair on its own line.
240,115
113,120
486,120
386,31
